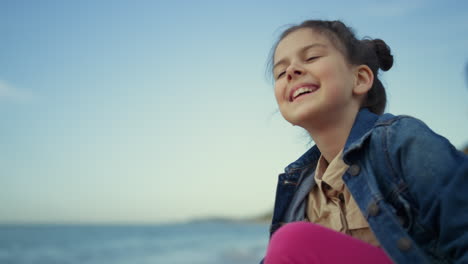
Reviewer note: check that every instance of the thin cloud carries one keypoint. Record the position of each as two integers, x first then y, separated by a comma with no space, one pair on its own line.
13,94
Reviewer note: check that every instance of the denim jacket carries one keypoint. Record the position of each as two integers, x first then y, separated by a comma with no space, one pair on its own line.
410,184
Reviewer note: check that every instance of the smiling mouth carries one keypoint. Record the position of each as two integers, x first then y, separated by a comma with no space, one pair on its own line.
303,91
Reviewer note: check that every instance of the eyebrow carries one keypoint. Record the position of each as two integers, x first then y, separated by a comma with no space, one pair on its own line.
315,45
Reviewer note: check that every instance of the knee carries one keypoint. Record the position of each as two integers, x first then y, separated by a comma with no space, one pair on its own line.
298,231
291,242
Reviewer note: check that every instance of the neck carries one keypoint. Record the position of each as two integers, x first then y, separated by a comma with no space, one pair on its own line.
330,137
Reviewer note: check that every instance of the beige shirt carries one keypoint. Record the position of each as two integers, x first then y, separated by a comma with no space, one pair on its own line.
330,203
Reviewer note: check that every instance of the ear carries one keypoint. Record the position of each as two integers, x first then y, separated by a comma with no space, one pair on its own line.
364,80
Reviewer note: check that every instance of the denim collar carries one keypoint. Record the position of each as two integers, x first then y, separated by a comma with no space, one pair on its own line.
365,121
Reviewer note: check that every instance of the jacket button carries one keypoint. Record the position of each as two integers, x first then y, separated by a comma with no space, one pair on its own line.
354,170
404,244
373,209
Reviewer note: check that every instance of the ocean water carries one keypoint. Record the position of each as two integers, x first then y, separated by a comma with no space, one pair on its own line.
192,243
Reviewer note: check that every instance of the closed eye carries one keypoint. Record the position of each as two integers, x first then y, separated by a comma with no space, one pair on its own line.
312,58
279,75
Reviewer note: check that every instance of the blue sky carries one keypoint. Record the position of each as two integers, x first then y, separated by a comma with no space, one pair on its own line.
155,111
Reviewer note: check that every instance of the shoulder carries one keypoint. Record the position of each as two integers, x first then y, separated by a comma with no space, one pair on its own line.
390,120
405,130
389,128
414,149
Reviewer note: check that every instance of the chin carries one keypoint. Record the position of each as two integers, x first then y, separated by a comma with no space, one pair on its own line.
298,121
299,115
303,116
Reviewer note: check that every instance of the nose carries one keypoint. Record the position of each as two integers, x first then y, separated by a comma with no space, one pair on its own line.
293,72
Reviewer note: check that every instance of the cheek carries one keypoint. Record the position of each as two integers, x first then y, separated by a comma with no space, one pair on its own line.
279,91
327,73
336,80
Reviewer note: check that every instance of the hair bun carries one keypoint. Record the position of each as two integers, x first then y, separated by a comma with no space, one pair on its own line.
384,54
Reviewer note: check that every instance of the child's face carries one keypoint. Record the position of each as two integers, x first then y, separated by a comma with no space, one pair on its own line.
313,81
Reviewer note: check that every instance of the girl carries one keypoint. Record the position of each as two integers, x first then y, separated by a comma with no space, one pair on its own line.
376,188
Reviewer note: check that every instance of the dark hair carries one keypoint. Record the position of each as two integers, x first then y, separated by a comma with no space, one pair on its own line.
374,53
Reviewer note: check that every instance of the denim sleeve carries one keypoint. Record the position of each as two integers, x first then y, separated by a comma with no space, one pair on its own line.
436,175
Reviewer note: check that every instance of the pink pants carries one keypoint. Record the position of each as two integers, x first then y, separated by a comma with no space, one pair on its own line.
306,243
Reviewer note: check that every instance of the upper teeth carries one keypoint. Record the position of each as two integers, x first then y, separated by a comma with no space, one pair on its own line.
301,90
